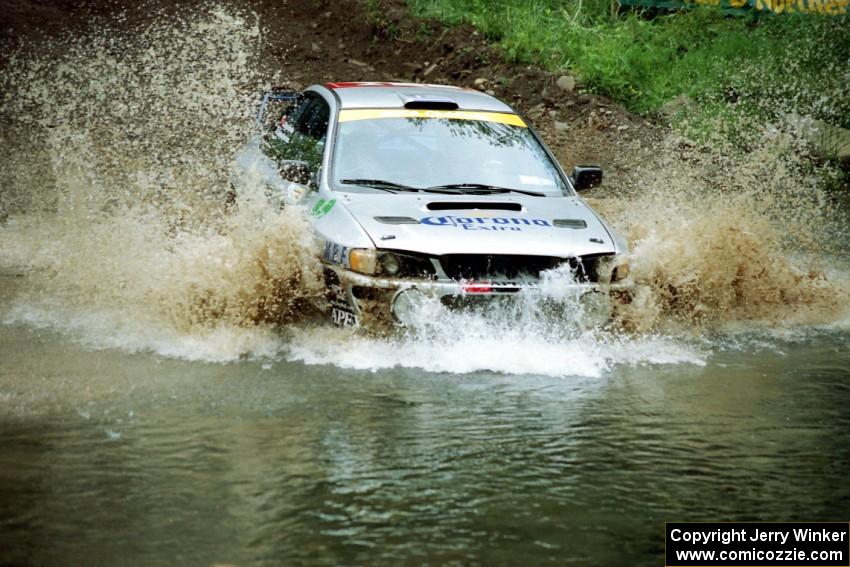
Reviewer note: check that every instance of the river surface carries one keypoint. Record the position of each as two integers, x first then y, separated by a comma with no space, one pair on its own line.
111,458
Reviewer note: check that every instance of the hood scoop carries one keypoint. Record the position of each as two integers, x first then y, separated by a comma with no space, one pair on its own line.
470,205
397,220
570,223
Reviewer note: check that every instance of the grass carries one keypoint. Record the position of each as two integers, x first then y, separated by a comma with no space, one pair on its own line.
755,65
382,26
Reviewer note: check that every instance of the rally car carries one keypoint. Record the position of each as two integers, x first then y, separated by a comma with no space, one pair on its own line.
429,193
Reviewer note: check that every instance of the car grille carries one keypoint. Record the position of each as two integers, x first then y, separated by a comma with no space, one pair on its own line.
496,267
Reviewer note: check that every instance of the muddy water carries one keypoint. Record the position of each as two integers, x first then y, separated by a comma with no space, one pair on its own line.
166,397
129,459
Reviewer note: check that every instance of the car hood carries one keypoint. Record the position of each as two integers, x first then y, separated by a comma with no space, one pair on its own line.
471,224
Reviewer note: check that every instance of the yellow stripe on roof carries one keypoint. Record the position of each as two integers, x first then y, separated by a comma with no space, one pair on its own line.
372,113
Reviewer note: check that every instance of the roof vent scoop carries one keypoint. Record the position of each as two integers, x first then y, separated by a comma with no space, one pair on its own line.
429,102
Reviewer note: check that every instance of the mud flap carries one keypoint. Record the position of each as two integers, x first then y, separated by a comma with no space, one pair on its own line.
342,317
342,314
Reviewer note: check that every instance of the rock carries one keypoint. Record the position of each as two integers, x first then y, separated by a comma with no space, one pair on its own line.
315,47
561,126
537,110
429,70
566,83
827,141
622,127
358,63
480,81
490,92
673,107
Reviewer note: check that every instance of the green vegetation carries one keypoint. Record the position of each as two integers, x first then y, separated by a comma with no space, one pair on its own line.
755,65
382,25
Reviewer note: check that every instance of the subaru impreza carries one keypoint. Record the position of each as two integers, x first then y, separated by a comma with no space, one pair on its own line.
428,193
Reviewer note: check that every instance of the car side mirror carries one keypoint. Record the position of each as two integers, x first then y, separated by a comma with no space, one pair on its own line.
296,171
586,176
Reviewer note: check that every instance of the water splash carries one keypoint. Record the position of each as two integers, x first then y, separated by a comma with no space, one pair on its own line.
530,335
117,158
120,154
725,240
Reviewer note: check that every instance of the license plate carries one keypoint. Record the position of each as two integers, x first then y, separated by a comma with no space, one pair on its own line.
343,318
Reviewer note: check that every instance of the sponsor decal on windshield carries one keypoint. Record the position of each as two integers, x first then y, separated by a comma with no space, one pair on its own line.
373,113
485,223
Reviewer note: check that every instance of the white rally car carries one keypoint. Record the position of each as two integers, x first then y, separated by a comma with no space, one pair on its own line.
434,193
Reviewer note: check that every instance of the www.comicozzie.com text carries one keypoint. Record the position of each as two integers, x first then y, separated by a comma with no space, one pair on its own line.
781,536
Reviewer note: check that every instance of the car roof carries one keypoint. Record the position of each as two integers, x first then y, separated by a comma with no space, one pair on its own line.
395,95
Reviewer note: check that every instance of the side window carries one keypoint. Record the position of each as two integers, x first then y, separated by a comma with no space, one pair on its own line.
303,134
315,120
311,131
281,127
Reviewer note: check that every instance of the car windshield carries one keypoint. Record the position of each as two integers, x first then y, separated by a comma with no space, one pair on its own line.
458,151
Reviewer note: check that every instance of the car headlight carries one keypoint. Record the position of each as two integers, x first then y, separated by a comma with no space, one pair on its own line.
621,272
392,264
363,260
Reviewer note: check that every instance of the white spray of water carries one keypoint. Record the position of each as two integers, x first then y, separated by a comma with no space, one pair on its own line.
118,155
520,338
119,158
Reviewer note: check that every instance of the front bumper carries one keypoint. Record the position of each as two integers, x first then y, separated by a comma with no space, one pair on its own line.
397,300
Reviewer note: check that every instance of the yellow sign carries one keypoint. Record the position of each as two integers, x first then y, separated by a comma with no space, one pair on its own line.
372,113
824,7
827,7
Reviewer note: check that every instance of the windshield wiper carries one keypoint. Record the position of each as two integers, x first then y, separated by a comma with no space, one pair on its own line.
442,190
483,189
379,184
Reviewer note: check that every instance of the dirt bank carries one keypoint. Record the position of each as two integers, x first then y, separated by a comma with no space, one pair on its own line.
313,41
